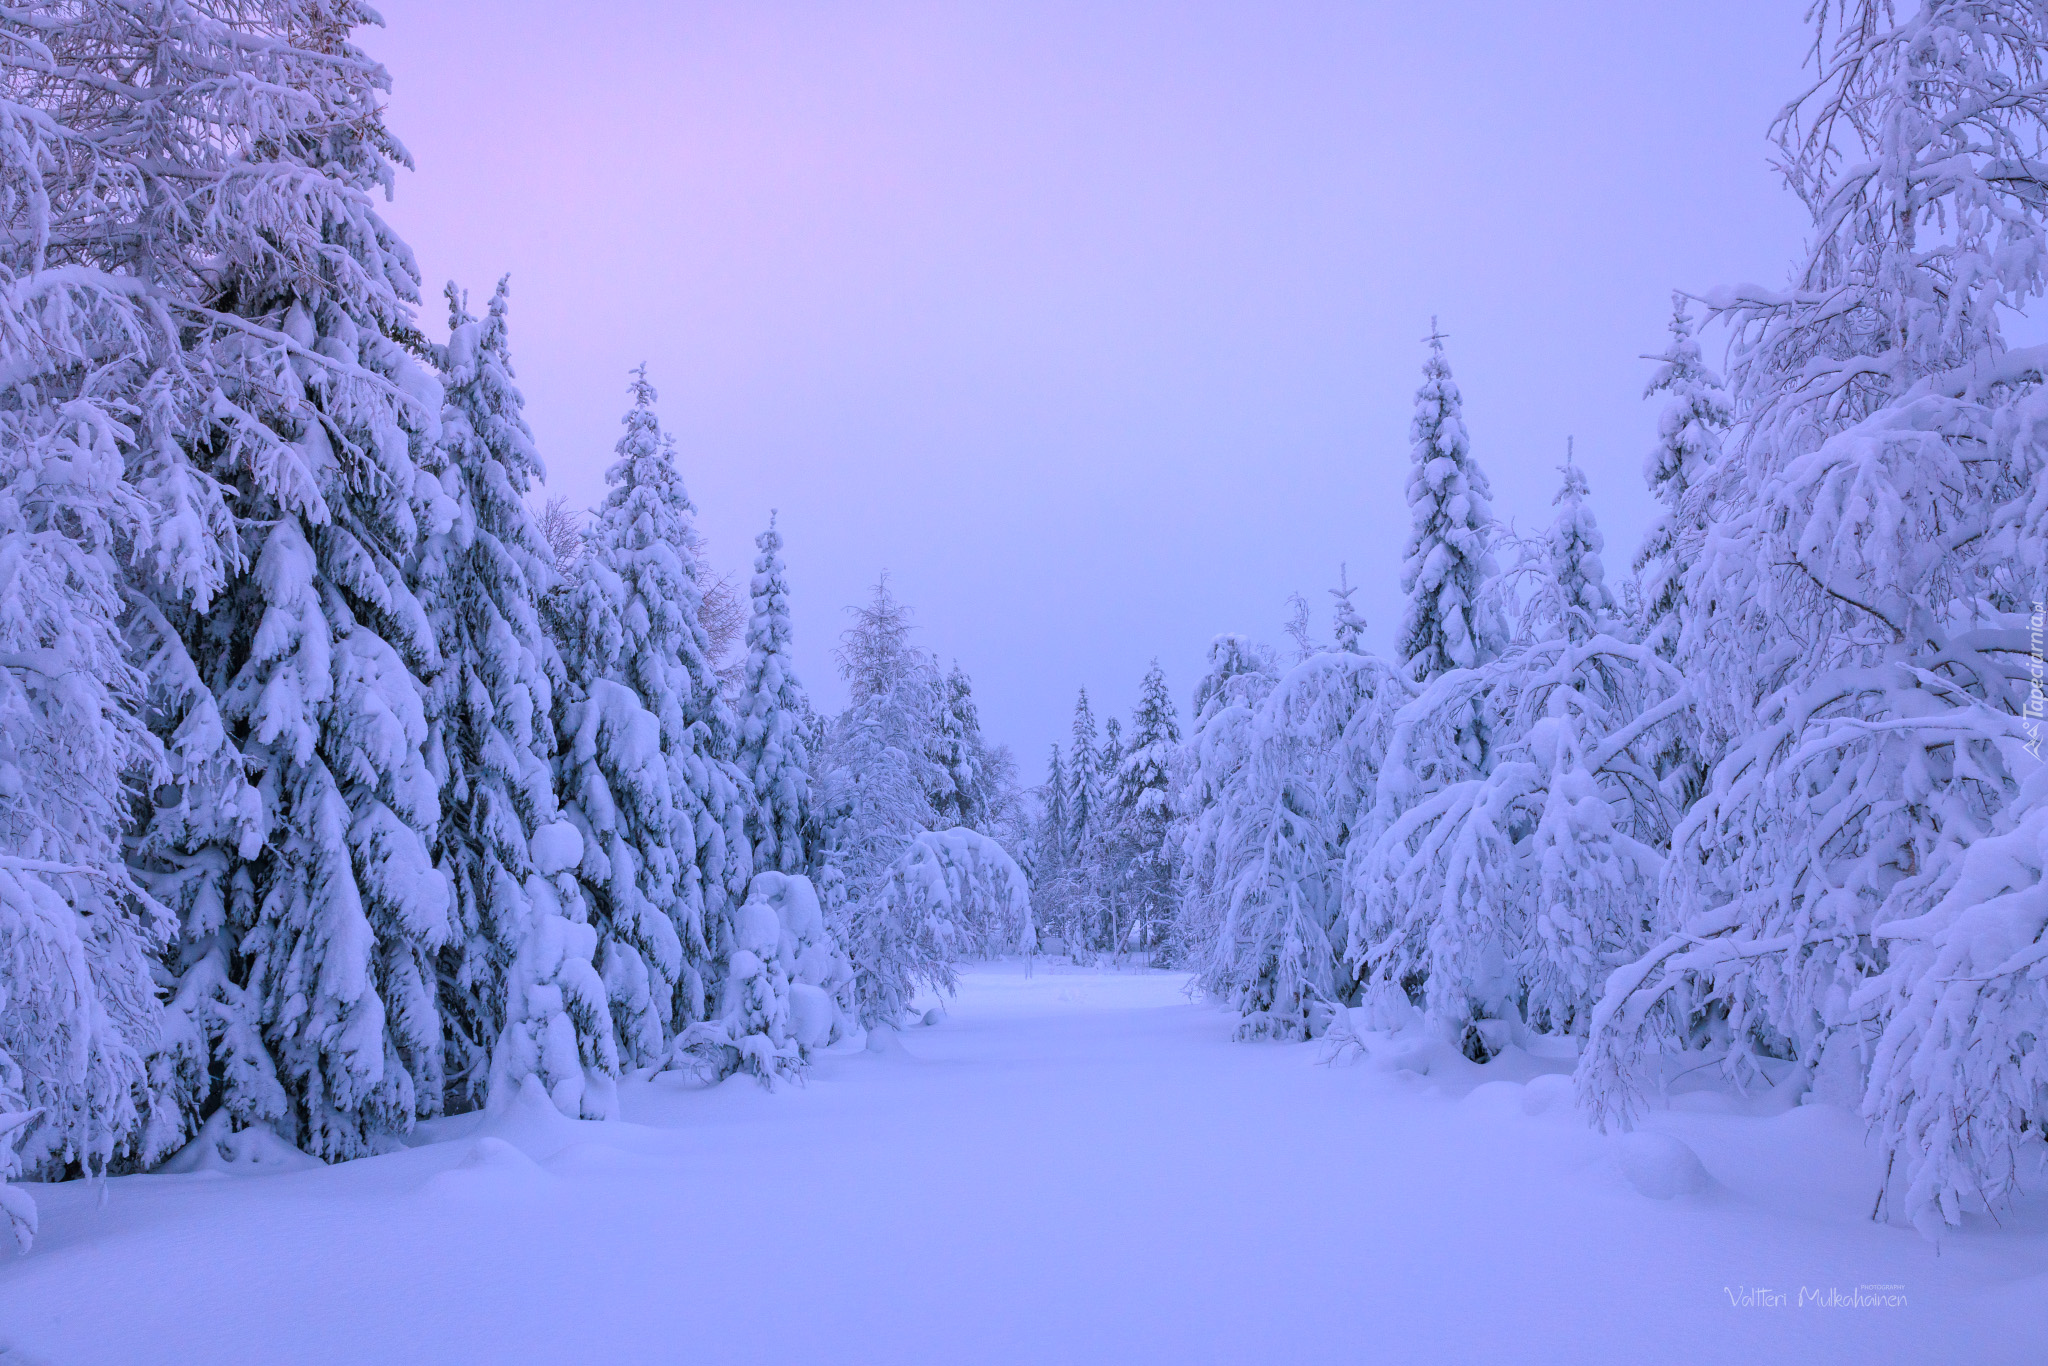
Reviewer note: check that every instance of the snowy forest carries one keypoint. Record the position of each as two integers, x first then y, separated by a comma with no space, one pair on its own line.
352,781
1770,796
345,785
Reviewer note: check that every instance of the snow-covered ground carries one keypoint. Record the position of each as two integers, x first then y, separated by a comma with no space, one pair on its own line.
1072,1166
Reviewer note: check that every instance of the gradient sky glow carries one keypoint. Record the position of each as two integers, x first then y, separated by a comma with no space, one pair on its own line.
1096,324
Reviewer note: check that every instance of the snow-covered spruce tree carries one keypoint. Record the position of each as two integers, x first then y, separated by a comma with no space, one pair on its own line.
1855,878
1052,841
1066,876
650,782
821,974
786,985
1145,771
1085,912
962,753
557,1030
1451,632
774,755
1114,895
491,744
1502,899
713,801
1084,778
1450,622
1577,579
1050,864
164,217
1689,434
311,911
750,1029
1143,802
614,782
1348,624
1454,620
1239,675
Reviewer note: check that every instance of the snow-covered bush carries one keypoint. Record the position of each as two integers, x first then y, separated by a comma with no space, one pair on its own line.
557,1024
1208,769
950,893
785,990
1959,1072
1287,781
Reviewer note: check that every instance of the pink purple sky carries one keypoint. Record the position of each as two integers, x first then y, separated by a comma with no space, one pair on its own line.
1096,324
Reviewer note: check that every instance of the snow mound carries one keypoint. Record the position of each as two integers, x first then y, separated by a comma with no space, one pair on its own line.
495,1154
1660,1166
254,1151
1549,1094
1495,1098
1416,1052
492,1170
530,1123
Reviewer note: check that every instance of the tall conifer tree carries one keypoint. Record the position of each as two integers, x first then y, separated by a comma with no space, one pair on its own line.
312,913
1349,623
1144,778
651,781
1572,552
774,756
1689,434
491,745
1450,623
1084,778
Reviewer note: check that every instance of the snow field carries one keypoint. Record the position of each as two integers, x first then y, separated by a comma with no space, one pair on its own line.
1072,1165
